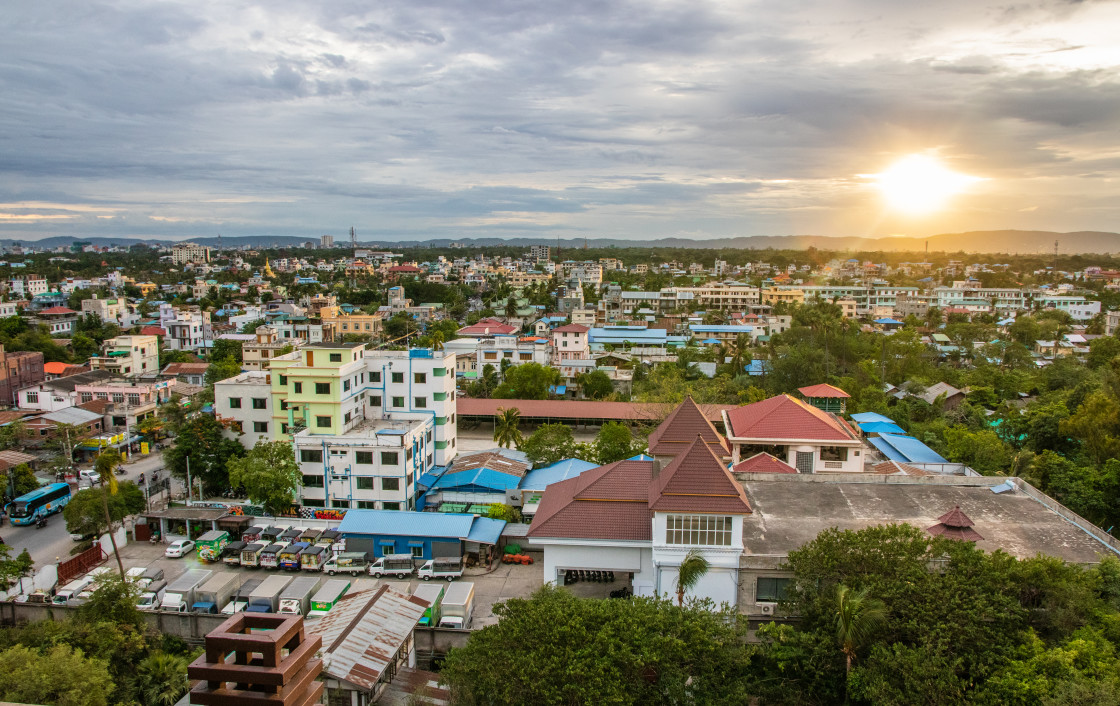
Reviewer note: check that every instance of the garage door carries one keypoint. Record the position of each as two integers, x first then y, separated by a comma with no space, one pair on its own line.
445,549
360,544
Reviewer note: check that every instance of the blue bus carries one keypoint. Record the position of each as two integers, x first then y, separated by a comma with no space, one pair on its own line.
27,509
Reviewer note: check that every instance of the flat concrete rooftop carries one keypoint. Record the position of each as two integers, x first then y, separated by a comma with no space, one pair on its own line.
789,512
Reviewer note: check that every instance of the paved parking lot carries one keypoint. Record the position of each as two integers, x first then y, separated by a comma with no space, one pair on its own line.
503,582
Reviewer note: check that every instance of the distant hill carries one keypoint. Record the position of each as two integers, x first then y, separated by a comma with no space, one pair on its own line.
993,241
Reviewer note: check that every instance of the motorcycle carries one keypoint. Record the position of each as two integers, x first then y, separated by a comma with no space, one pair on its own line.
41,523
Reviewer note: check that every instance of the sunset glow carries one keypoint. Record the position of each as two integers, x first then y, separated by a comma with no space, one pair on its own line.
919,184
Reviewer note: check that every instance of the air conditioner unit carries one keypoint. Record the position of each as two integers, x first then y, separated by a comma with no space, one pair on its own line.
766,608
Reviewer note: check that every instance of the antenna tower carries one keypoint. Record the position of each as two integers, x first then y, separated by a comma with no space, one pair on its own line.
1055,255
353,239
219,241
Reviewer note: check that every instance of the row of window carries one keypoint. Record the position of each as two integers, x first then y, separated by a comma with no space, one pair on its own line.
362,458
361,482
360,504
258,402
698,530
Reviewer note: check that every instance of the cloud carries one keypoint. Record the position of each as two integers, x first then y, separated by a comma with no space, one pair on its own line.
624,119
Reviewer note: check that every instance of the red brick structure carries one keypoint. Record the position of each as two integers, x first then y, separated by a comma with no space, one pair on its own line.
19,370
258,658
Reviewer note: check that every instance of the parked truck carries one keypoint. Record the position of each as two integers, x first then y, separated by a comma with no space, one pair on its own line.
449,568
399,565
251,555
180,594
296,598
325,598
231,555
266,598
215,593
347,563
313,557
433,594
152,595
458,606
71,590
211,545
240,599
270,556
289,556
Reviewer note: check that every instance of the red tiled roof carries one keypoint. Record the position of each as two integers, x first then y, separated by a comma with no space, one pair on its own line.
55,368
955,525
489,459
185,368
577,409
152,331
95,406
404,268
784,417
58,310
571,328
697,481
487,326
680,429
823,390
890,468
608,502
763,463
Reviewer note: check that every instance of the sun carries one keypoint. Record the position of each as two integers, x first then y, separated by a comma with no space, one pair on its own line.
919,184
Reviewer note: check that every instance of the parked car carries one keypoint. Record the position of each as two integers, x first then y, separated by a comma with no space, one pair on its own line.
89,475
180,547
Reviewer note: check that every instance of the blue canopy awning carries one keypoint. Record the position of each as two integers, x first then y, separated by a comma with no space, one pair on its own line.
881,428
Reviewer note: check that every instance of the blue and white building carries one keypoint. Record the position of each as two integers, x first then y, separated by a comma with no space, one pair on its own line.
424,535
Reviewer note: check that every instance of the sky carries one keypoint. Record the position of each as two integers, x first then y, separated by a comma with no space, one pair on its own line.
635,120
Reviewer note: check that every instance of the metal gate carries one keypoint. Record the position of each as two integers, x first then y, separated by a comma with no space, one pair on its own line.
804,461
81,564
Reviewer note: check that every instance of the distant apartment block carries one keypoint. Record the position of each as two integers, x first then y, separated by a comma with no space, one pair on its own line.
17,371
183,253
128,356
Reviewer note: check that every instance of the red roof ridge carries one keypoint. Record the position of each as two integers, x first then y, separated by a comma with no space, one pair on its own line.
763,462
685,421
823,390
786,417
697,481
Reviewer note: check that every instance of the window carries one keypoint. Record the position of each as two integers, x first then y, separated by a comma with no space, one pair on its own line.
375,377
260,427
260,403
702,530
390,483
87,396
398,377
311,455
345,385
408,454
417,552
283,379
419,377
428,436
375,400
340,503
365,483
365,504
297,387
525,356
322,422
420,402
771,589
32,397
283,428
336,357
235,403
398,402
322,388
363,457
834,453
390,458
390,506
307,502
313,481
284,405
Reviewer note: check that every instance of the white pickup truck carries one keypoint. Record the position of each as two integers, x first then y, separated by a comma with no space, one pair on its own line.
449,568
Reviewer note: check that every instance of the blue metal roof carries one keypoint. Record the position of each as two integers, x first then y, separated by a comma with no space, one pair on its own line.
888,321
478,480
541,478
486,530
881,428
406,524
871,417
905,449
720,328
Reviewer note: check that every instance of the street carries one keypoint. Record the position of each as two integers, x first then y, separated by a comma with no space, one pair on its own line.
53,542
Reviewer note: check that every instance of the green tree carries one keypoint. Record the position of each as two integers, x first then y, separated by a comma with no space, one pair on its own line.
106,466
615,442
252,326
114,600
20,478
549,443
13,435
1102,350
162,679
1096,423
528,381
85,515
61,676
12,569
595,385
225,349
269,474
201,440
636,651
857,617
982,450
221,370
693,568
506,427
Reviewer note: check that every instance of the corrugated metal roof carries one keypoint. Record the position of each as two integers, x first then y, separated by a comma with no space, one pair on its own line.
399,523
871,417
363,632
541,478
486,530
481,477
906,449
71,415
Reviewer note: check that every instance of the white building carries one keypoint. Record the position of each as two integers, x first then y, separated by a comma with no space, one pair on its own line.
188,328
183,253
796,433
245,401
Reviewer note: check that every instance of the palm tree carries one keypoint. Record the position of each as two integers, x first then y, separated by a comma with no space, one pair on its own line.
692,569
857,616
163,679
506,431
437,340
106,466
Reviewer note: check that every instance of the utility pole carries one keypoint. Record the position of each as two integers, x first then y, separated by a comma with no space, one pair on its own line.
188,480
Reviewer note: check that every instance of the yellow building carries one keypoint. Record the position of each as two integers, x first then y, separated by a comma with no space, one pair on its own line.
313,388
337,324
790,296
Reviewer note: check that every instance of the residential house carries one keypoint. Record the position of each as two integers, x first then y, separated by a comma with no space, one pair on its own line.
809,439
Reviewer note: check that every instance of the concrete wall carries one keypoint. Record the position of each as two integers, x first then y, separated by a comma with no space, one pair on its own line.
191,627
558,557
